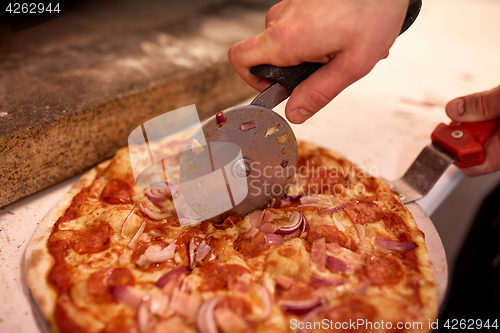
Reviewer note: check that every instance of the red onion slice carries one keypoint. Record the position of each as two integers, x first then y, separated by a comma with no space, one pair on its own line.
305,224
205,320
192,252
201,252
220,118
268,228
155,195
266,299
247,126
322,281
143,316
197,253
309,317
170,275
155,255
152,211
274,240
125,222
396,246
364,287
332,210
300,307
127,295
296,221
284,163
134,239
336,265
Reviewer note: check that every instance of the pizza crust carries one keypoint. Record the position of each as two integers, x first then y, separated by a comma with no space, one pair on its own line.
38,260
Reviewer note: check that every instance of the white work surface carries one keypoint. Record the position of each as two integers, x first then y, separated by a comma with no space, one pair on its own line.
382,123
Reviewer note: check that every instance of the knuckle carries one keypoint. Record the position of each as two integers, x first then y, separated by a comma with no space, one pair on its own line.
357,67
484,105
316,99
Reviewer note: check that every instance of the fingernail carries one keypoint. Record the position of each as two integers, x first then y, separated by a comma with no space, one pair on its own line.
299,115
458,105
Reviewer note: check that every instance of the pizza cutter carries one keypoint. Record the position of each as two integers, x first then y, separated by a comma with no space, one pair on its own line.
244,157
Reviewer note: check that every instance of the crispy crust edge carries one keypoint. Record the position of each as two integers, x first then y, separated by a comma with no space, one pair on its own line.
37,259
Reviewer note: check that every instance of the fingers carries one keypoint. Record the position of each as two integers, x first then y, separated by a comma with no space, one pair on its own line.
240,56
273,12
321,87
476,107
254,51
492,158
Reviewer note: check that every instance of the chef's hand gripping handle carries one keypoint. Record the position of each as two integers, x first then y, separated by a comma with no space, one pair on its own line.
292,76
287,76
465,140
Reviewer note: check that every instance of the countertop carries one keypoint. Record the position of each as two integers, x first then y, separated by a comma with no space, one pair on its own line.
382,122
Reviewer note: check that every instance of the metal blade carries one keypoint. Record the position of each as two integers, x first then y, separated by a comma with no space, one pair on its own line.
272,96
422,174
266,165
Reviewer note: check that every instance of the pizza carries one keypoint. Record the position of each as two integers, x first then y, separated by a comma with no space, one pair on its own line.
339,252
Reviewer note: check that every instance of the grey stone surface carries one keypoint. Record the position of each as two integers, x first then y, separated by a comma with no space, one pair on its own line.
71,101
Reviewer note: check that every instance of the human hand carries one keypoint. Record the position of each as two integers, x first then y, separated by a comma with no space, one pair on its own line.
478,107
348,36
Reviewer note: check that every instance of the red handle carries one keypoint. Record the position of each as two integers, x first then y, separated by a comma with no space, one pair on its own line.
465,140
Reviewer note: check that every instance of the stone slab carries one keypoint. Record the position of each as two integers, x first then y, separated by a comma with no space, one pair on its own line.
69,104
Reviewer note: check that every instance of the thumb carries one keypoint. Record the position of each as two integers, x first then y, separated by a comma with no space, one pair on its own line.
476,107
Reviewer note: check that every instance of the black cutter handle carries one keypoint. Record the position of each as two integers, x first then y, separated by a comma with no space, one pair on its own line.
293,75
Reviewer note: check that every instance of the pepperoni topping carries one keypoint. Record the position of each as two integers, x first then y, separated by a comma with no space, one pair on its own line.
229,222
117,191
79,198
370,184
100,282
383,270
351,310
312,160
205,226
318,253
300,290
92,239
394,224
218,244
217,277
171,221
59,275
363,211
183,245
64,322
331,235
251,247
